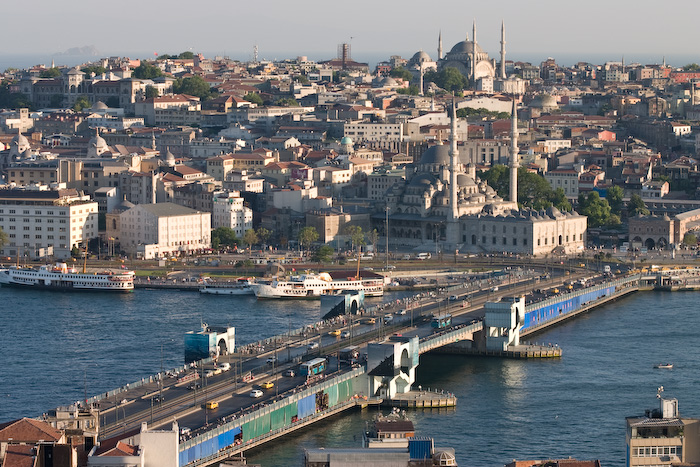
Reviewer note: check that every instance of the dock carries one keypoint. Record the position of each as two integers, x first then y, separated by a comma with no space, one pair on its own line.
422,400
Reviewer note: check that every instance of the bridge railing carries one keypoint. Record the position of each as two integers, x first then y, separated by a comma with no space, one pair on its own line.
448,336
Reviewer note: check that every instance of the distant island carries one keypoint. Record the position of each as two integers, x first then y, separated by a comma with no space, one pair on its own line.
85,50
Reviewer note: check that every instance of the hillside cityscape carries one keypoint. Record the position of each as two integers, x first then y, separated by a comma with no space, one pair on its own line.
457,161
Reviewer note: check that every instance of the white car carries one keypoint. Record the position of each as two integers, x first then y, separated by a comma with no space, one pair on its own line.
345,334
255,393
313,345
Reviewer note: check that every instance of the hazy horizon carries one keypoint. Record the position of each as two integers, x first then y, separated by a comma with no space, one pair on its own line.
280,29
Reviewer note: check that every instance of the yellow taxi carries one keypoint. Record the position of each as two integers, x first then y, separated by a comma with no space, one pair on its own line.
267,385
211,405
335,332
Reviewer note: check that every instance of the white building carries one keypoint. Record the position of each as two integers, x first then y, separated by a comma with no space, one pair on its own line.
169,110
46,223
229,211
163,229
566,179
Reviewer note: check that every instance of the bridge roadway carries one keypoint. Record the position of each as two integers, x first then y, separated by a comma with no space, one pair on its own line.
126,411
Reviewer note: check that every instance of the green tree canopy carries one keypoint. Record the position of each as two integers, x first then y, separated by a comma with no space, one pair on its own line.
250,238
449,79
357,237
81,103
323,255
186,55
12,100
254,98
637,206
307,236
263,234
223,237
482,112
560,201
411,90
533,190
401,73
146,71
4,238
597,209
152,91
97,69
689,239
614,196
288,102
193,86
691,67
50,73
301,79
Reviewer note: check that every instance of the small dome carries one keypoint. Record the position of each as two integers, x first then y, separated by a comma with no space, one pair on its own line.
389,81
19,140
419,57
99,105
423,179
465,180
346,140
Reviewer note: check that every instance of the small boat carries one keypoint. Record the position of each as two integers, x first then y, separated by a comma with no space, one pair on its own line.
664,366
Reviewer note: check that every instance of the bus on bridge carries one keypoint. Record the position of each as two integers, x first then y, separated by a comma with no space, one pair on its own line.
441,322
313,367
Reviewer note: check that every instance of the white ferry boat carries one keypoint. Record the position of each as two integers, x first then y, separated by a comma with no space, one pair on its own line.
310,286
61,277
240,287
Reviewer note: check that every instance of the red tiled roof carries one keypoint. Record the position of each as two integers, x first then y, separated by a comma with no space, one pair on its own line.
121,449
19,455
30,431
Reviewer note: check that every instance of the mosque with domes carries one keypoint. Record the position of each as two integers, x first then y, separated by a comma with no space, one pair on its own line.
444,206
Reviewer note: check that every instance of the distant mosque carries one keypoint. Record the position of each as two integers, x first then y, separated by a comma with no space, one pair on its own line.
470,59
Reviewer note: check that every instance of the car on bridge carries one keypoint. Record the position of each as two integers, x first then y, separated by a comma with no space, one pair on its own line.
313,345
345,334
255,393
211,405
289,373
334,332
267,385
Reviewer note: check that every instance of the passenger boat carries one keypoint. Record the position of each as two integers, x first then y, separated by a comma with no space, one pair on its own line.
664,366
61,277
312,286
241,287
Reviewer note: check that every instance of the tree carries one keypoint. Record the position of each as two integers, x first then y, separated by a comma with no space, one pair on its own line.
288,102
12,100
323,255
193,86
401,73
97,69
307,236
75,252
186,55
689,239
263,234
560,201
50,73
152,91
597,209
637,206
146,71
113,102
449,79
301,79
357,237
412,90
373,238
81,103
254,98
250,238
691,67
223,237
4,238
614,196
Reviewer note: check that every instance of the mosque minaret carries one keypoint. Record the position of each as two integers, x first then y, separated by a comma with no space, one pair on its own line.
503,51
514,163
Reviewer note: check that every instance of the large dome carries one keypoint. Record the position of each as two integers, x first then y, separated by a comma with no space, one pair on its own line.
438,154
20,140
465,47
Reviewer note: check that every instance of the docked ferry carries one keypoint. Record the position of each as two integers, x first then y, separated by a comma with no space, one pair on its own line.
240,287
60,277
312,286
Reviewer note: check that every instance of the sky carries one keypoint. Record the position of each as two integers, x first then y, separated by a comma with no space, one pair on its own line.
641,30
